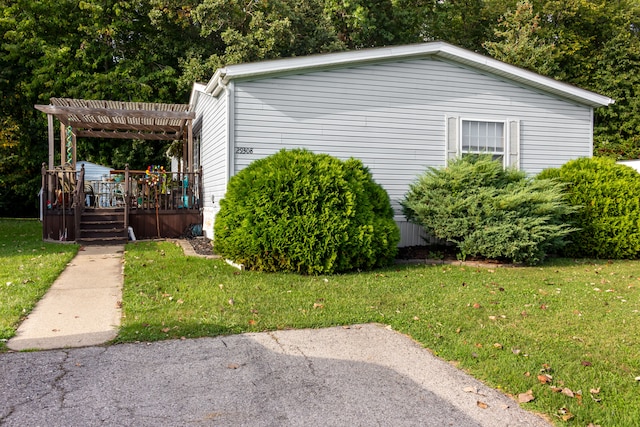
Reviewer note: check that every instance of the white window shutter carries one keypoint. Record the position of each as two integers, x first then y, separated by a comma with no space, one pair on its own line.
514,144
452,138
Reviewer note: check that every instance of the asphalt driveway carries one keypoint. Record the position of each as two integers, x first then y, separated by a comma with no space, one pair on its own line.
363,375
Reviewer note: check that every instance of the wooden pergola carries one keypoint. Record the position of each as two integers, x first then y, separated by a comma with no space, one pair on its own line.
116,119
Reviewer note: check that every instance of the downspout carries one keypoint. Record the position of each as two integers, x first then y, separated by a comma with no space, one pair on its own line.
592,119
231,140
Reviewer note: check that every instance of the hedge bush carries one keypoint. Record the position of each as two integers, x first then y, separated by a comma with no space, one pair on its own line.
309,213
489,211
607,198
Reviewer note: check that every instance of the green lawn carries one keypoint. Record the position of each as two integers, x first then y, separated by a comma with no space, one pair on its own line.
576,321
28,267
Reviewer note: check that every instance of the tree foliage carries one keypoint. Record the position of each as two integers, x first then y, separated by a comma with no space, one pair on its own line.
593,44
155,50
605,195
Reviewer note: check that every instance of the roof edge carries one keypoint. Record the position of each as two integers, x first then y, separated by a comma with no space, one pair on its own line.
439,49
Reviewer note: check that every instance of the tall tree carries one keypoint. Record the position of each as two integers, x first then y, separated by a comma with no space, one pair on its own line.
594,44
519,41
371,23
106,49
245,31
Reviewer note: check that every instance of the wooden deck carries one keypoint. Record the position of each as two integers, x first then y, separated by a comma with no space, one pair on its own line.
154,204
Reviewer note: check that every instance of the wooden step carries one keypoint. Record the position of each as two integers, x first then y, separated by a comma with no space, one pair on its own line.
102,240
102,226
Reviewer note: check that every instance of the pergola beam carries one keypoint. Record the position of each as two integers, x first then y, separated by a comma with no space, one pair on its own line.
152,136
115,113
119,120
89,126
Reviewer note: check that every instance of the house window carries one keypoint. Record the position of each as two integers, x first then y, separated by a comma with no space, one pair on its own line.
483,137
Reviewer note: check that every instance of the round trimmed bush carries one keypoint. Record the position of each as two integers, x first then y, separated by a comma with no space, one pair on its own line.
309,213
607,196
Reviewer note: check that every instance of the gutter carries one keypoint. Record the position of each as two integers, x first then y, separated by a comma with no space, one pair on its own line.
217,82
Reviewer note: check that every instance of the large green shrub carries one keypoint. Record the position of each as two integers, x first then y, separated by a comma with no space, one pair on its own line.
489,211
304,212
607,196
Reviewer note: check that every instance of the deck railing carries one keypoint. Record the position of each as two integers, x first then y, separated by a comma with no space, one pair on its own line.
164,191
66,194
63,195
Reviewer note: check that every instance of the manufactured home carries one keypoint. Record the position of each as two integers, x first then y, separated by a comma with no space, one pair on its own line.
398,109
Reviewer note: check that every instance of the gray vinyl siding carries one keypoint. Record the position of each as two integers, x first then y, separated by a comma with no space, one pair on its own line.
392,116
213,155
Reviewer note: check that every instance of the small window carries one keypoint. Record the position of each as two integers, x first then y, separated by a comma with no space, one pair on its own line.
480,137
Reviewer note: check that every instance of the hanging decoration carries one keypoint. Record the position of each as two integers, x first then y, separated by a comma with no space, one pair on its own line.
69,144
157,177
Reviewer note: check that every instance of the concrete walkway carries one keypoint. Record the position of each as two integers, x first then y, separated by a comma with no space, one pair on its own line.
82,307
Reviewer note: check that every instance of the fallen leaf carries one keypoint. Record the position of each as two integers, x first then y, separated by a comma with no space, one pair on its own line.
497,345
492,317
586,363
252,322
595,390
515,351
564,414
318,305
233,366
526,397
476,305
556,389
231,301
543,307
470,389
545,378
482,405
568,392
165,330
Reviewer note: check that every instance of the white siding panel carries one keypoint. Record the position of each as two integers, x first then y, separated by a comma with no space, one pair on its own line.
214,155
392,116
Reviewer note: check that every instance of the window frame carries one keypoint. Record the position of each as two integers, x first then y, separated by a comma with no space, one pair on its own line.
505,138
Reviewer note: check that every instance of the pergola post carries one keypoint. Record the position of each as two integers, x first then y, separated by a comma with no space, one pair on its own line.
63,146
190,144
73,150
51,141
